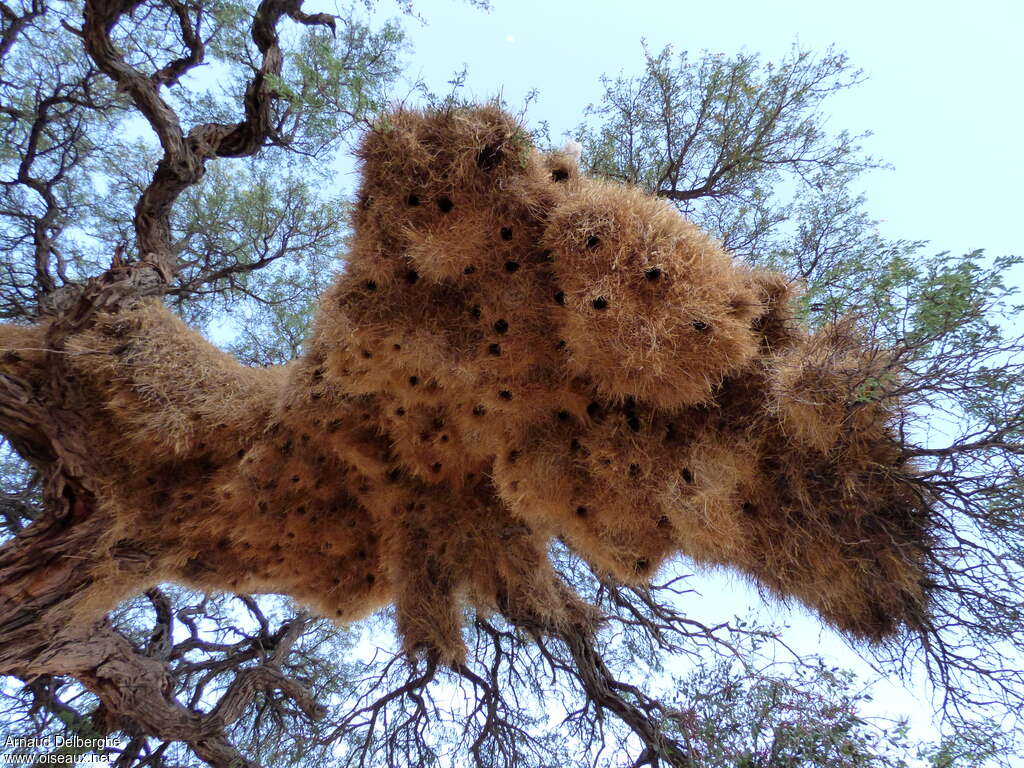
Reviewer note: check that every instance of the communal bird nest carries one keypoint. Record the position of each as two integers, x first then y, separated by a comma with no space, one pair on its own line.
513,354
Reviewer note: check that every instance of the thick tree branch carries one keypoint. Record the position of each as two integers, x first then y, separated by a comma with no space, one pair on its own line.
185,155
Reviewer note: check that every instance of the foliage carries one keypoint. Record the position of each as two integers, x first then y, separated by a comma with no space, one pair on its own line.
722,136
809,716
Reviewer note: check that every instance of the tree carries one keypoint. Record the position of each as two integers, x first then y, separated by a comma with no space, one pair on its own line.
269,243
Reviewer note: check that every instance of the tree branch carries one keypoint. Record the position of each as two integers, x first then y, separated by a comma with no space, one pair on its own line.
185,155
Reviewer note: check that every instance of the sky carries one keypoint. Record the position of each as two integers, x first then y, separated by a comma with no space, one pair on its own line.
941,98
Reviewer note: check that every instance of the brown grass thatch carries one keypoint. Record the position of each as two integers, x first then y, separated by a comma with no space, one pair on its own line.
514,352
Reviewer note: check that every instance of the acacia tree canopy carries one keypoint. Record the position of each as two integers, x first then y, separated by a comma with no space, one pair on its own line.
716,136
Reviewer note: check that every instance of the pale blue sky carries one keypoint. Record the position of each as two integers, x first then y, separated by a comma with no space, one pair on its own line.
943,96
